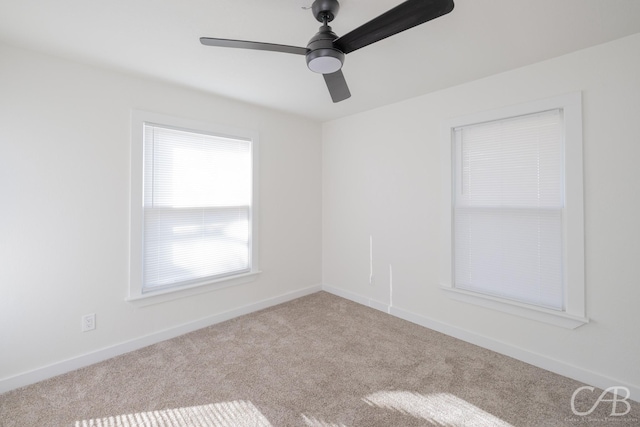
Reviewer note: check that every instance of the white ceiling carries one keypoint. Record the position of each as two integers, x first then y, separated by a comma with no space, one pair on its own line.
159,38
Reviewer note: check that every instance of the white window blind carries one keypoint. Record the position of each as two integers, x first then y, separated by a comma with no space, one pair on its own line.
197,207
508,209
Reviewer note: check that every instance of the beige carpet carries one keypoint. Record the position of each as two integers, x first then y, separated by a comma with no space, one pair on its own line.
316,361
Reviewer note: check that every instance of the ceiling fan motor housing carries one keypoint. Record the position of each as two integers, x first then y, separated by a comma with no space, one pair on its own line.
322,56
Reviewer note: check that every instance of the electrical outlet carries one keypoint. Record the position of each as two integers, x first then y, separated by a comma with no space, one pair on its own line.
88,322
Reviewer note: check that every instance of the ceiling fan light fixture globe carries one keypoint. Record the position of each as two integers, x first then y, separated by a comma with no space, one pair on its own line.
325,61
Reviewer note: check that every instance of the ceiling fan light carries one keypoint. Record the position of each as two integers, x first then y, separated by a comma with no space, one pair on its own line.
325,65
325,61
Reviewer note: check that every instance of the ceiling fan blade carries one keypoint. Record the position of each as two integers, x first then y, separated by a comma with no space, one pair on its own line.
337,86
243,44
402,17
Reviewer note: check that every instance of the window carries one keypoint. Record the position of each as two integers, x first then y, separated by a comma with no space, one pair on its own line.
193,205
514,215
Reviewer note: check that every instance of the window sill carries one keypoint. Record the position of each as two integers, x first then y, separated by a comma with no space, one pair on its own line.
164,295
557,318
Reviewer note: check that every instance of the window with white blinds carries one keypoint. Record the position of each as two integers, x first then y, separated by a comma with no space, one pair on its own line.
197,206
508,208
513,222
193,205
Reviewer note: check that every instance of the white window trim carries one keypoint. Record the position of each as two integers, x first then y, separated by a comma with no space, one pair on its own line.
574,314
135,292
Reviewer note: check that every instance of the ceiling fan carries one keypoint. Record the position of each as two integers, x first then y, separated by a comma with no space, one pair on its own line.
325,51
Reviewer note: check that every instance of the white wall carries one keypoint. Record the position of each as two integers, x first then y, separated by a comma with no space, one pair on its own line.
382,178
64,217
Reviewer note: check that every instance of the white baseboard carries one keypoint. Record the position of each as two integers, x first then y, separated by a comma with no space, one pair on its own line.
556,366
81,361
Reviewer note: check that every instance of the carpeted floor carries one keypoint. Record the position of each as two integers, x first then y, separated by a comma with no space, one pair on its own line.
317,361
